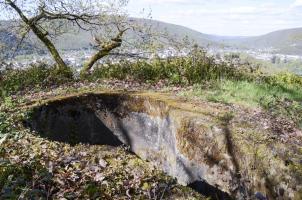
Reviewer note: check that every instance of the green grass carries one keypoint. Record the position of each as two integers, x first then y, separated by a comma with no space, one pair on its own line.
279,99
250,94
228,83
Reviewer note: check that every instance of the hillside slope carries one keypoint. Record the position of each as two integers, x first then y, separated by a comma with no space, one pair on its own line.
287,41
284,41
79,39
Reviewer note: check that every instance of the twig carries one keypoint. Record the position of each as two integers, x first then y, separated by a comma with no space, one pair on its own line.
162,196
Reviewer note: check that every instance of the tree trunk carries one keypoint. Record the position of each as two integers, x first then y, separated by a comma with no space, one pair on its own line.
100,54
106,49
93,60
50,46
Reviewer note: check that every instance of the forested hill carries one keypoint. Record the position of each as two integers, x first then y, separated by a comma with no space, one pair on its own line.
284,41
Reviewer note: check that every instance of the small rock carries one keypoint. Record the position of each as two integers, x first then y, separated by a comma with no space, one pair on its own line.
99,177
260,196
102,163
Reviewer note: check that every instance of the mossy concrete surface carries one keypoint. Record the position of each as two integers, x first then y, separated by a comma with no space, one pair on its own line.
230,150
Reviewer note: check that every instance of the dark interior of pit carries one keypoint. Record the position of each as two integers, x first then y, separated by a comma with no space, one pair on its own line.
73,123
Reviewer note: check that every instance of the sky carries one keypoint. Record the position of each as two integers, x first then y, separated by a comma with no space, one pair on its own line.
224,17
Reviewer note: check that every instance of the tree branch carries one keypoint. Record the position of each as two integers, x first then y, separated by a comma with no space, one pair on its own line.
104,51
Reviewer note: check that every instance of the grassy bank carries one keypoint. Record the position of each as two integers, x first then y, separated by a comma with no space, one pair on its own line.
283,100
228,83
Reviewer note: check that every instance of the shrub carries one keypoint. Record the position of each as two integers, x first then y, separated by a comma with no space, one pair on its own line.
194,68
286,79
36,76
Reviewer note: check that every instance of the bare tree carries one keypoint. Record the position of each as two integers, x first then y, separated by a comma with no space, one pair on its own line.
106,20
140,36
48,19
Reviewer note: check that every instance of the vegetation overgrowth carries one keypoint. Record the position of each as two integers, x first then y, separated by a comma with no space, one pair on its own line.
36,76
197,75
189,70
226,82
195,68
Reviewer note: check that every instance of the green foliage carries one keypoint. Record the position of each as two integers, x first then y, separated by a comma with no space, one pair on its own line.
195,68
9,122
227,82
285,79
6,119
281,99
24,182
4,124
93,190
36,76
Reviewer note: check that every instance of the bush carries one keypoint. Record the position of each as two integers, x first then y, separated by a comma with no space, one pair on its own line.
286,79
36,76
195,68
